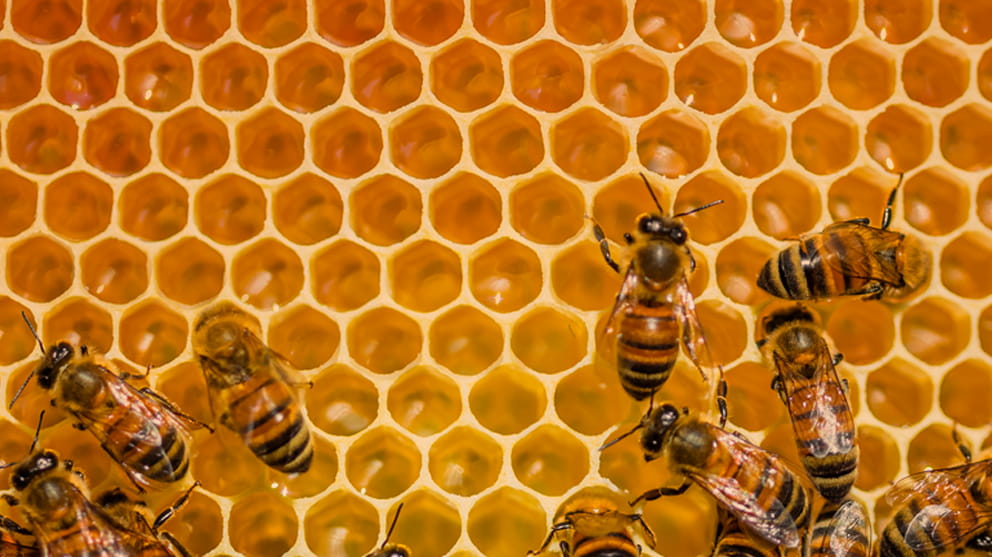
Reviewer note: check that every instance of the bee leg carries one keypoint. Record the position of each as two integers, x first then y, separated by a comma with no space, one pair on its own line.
981,543
79,426
962,448
168,513
604,246
692,260
183,552
566,550
168,406
779,388
9,499
9,524
127,376
721,402
862,221
547,541
646,531
872,291
661,492
887,213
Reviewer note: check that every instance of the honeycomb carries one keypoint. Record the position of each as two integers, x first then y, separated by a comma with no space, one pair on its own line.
399,191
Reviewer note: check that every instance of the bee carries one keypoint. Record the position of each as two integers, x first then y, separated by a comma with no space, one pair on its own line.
134,517
807,382
733,541
841,530
138,428
391,549
594,527
849,258
11,546
754,485
251,389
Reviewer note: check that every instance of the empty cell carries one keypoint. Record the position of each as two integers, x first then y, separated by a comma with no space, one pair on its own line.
688,518
935,330
506,141
465,208
588,387
158,77
669,26
82,75
386,76
382,463
304,336
898,21
193,143
22,74
753,405
196,23
962,132
899,393
151,334
20,206
862,74
352,519
189,271
225,466
751,142
983,200
39,269
725,330
114,271
505,275
272,25
385,210
342,401
430,523
384,340
424,401
309,78
899,138
507,400
41,139
737,266
16,340
118,142
307,209
880,449
581,278
427,23
270,143
630,81
716,223
710,78
936,201
748,23
824,23
263,524
589,145
824,140
78,206
507,23
673,144
550,460
966,20
589,22
547,209
935,72
350,22
548,341
861,193
863,331
465,340
121,22
547,76
80,323
323,472
787,76
964,393
425,142
425,276
786,205
267,274
344,276
199,524
46,22
467,75
346,143
506,522
233,77
964,265
933,448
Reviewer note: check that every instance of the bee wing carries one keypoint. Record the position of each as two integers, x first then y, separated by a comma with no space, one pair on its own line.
773,524
623,300
940,483
881,244
271,362
927,531
692,331
849,530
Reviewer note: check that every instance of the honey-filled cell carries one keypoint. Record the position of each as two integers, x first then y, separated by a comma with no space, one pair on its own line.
196,23
861,193
346,143
224,466
82,75
465,208
341,524
467,75
350,22
233,77
966,393
153,207
39,269
506,141
748,24
751,142
862,74
41,139
384,340
737,266
424,401
14,445
669,26
307,209
630,81
386,76
20,205
824,23
189,271
122,23
151,334
824,139
898,21
46,22
322,473
80,323
158,77
687,518
879,448
550,460
752,403
342,401
505,275
935,72
588,144
465,340
547,209
588,387
33,400
936,201
309,78
933,447
548,340
964,264
863,331
710,78
16,340
899,393
199,524
935,330
725,330
78,206
425,276
270,143
425,142
114,271
382,463
184,386
899,138
547,76
262,525
507,23
230,209
966,21
272,25
589,22
430,524
582,279
786,205
465,461
507,400
427,23
673,143
193,143
344,275
304,336
985,330
385,210
506,522
267,274
961,132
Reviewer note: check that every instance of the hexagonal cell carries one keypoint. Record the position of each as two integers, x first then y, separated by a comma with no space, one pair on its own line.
591,22
22,73
47,22
82,75
233,77
85,452
152,335
346,143
79,323
465,208
630,81
224,465
581,279
984,77
506,522
122,23
432,527
932,448
710,78
725,329
959,132
506,141
718,223
309,78
467,75
385,210
983,200
673,144
465,462
158,77
863,331
935,330
382,463
985,330
297,486
550,460
898,21
507,400
270,143
183,384
193,143
230,209
39,269
862,74
588,144
786,205
267,274
20,197
384,340
272,25
547,209
189,271
548,341
505,275
424,401
899,138
899,393
936,201
877,447
781,440
118,142
196,23
547,76
427,23
78,206
352,518
114,271
199,525
858,194
350,22
505,23
935,72
753,406
824,140
967,21
304,336
591,387
41,139
345,276
688,518
964,393
669,26
465,340
964,265
737,265
342,401
386,76
747,24
153,207
425,142
425,276
307,210
751,142
823,23
787,76
263,524
16,340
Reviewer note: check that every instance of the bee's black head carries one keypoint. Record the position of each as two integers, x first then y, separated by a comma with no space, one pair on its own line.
56,358
657,426
38,464
658,227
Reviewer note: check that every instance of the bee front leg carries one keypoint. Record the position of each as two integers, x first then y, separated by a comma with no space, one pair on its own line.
168,406
9,524
604,246
662,492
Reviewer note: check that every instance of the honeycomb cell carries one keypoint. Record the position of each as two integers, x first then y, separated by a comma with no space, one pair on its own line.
233,77
688,519
781,440
342,401
85,452
624,466
304,336
507,23
673,144
309,78
879,448
753,406
158,77
506,522
151,334
196,23
262,525
199,525
270,143
424,401
823,23
964,265
591,22
350,22
717,223
20,202
547,76
432,526
630,81
153,207
114,271
384,340
39,269
386,76
16,340
344,276
786,205
193,143
725,329
118,142
122,23
581,279
588,144
267,274
899,393
183,385
748,24
346,143
935,330
341,523
898,21
710,78
322,473
230,209
46,22
425,142
465,340
385,210
22,70
506,141
737,265
189,271
984,77
427,23
936,202
467,75
224,465
307,210
669,26
41,139
967,21
787,76
591,387
618,204
507,400
824,140
505,275
272,25
547,209
935,72
751,142
932,448
985,330
862,74
79,323
548,341
382,463
861,193
425,276
78,206
465,208
899,138
960,130
550,460
863,331
964,393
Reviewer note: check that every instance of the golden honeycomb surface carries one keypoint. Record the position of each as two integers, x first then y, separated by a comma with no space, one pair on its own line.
398,191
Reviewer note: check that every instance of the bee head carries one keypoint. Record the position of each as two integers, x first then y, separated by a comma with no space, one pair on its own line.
393,550
657,428
56,359
656,227
36,465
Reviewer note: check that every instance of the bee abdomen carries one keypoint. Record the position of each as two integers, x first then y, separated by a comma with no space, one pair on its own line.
610,545
274,428
833,475
647,347
168,461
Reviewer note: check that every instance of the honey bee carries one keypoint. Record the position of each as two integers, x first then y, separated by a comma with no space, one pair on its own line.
133,517
807,382
733,541
594,527
391,549
841,530
11,546
251,389
849,258
138,428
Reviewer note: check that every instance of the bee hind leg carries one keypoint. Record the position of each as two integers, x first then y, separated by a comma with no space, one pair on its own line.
168,513
661,492
9,524
604,246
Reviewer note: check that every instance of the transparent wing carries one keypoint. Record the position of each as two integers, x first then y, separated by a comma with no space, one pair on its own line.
270,362
848,530
862,263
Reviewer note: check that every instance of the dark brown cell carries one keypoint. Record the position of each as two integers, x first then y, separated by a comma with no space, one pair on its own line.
21,68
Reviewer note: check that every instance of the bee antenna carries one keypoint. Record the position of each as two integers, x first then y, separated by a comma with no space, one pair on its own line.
37,432
392,526
651,191
622,437
698,209
21,389
33,332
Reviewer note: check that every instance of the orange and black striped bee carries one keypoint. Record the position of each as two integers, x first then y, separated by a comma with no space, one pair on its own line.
841,530
733,541
139,429
849,258
10,546
594,527
391,549
144,538
808,384
251,389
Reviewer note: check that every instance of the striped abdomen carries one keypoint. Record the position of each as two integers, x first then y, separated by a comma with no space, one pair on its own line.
799,272
614,544
265,413
824,431
80,532
647,347
150,446
840,530
937,540
732,541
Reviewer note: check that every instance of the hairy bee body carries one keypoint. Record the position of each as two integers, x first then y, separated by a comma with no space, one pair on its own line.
841,530
129,515
592,526
647,346
733,541
11,547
